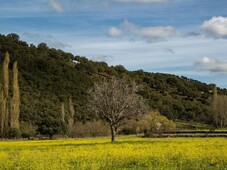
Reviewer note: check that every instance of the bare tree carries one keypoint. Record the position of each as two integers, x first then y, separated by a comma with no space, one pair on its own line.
115,101
219,109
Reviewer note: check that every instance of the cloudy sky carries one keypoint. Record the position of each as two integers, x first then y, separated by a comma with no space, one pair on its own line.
181,37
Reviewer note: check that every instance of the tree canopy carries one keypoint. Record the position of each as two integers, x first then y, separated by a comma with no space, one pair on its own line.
115,101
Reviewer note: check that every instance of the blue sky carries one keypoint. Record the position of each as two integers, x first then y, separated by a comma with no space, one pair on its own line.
182,37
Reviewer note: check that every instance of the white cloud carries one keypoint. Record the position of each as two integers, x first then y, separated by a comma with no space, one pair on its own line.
56,5
101,58
37,35
149,34
49,39
216,27
142,1
57,45
156,32
213,65
114,32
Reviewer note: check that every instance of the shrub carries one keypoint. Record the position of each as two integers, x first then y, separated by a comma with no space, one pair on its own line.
14,133
157,123
27,129
149,124
89,129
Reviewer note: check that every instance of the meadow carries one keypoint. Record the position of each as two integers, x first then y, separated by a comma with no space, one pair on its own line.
128,152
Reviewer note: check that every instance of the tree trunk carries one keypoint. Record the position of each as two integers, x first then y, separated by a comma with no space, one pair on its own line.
113,133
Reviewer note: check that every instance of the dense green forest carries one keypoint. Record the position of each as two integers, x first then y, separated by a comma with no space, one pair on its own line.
49,78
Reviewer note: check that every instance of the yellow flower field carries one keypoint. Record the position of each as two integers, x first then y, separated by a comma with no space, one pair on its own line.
127,153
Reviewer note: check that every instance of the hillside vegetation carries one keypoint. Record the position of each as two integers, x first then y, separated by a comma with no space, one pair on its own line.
49,78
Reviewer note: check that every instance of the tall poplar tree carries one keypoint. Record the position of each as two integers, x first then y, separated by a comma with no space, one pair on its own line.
9,104
71,114
62,112
214,105
219,108
5,104
5,72
15,100
2,111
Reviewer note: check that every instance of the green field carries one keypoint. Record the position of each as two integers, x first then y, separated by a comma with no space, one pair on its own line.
127,153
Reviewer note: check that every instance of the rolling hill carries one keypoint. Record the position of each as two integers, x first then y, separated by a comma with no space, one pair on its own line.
49,77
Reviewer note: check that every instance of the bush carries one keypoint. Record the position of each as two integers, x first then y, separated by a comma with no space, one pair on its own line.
131,127
156,123
89,129
14,133
27,129
149,124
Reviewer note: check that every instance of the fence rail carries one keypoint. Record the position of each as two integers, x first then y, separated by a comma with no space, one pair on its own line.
188,133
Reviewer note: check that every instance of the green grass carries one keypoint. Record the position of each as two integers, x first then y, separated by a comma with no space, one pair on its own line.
127,153
182,125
